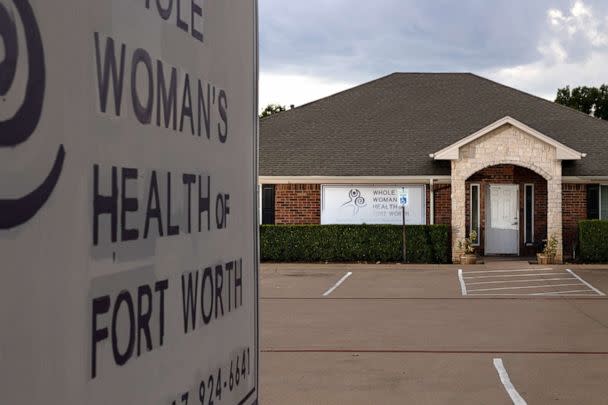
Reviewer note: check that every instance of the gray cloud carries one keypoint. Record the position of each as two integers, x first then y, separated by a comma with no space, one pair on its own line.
575,33
356,40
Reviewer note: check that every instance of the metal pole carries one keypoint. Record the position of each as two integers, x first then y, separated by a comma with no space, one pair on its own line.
404,240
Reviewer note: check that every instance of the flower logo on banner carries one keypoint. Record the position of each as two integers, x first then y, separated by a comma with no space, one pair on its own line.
356,201
16,129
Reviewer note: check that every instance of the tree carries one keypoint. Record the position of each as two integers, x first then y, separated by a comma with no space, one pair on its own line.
590,100
272,109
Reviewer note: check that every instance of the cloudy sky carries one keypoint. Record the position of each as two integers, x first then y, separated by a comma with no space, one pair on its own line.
310,49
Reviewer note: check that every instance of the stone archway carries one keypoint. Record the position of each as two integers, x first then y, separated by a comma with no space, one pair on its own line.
527,191
513,146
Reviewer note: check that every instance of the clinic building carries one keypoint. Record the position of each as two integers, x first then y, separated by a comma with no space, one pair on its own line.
464,150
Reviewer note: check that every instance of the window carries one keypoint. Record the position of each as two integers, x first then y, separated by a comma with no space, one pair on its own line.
604,202
475,211
597,201
268,193
529,213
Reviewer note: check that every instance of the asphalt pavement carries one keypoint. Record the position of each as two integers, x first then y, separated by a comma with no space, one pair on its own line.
423,334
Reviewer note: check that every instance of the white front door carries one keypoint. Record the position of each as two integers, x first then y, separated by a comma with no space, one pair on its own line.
502,220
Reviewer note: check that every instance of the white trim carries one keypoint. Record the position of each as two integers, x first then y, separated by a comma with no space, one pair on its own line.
585,179
478,230
395,179
260,191
432,202
452,152
599,215
526,211
353,179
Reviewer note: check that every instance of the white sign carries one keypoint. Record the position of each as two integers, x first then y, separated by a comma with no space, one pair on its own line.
404,199
371,204
127,202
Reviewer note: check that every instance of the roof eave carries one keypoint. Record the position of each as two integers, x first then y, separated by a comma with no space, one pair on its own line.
452,152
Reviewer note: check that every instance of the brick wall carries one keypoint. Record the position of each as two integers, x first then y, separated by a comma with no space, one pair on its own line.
443,204
301,203
574,203
297,204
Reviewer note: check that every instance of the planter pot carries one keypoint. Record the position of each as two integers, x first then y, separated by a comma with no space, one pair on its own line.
468,259
545,259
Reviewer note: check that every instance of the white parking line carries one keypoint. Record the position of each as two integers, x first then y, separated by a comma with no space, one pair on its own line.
463,287
506,382
524,287
552,294
567,292
586,283
507,271
347,275
514,275
521,281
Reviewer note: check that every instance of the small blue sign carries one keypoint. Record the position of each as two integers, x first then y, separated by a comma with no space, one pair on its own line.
404,199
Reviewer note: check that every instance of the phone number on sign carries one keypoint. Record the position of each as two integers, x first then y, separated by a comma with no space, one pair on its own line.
211,387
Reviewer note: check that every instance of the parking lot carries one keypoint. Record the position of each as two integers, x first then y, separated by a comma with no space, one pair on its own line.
500,333
525,281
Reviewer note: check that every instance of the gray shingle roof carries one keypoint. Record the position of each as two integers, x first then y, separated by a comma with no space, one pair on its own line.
388,127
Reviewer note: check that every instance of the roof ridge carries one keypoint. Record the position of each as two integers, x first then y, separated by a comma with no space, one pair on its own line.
434,73
525,93
365,84
334,94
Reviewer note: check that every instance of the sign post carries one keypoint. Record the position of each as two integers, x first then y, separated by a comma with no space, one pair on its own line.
404,202
128,219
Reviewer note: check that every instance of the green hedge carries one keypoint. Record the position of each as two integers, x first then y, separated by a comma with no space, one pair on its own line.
593,241
354,243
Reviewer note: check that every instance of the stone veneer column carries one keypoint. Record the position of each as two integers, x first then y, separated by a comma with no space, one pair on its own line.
458,211
512,146
554,212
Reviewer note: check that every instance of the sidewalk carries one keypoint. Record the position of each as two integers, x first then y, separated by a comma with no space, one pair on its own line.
489,264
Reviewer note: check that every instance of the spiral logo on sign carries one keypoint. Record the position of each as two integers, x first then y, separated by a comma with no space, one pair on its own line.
356,201
17,129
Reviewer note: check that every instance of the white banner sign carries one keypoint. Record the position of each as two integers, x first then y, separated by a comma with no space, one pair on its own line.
364,204
127,202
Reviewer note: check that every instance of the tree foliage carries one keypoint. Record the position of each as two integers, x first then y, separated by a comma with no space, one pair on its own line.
272,109
590,100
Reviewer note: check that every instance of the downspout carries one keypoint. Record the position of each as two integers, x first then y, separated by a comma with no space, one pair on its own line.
432,194
259,189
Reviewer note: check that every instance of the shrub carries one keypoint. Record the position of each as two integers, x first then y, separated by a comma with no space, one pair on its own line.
353,243
593,241
441,241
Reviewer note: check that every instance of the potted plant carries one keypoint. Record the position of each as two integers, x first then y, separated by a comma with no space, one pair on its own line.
548,254
466,245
